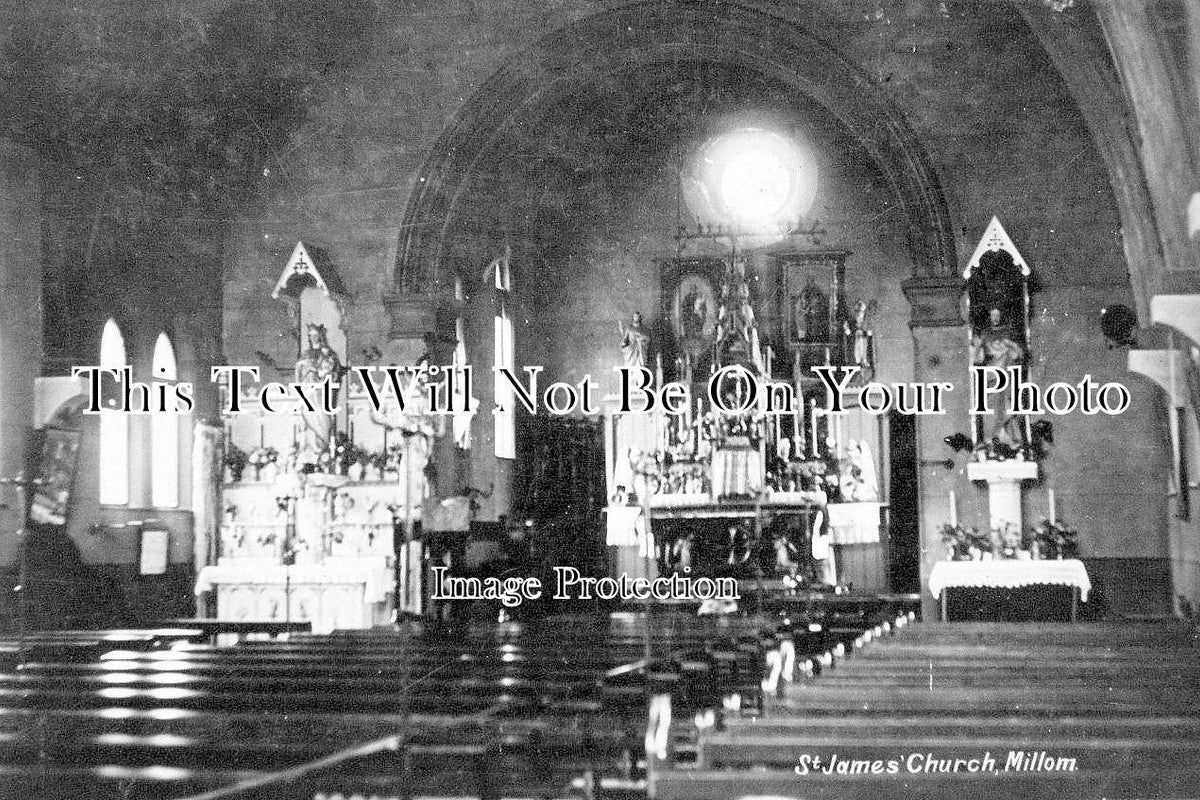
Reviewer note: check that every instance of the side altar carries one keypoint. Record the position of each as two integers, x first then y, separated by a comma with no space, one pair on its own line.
1005,452
318,509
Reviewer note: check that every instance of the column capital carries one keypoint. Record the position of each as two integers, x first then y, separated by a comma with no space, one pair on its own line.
936,302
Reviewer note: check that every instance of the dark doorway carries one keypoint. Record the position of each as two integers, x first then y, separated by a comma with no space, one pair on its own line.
905,535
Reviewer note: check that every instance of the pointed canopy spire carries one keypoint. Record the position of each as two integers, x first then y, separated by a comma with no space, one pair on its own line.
995,238
307,268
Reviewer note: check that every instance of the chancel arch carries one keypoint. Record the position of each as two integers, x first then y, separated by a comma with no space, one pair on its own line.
599,47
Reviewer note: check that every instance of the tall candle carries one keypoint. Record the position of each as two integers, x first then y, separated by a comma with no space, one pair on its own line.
797,425
812,405
1053,510
953,509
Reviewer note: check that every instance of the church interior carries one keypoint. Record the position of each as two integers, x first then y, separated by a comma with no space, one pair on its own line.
458,238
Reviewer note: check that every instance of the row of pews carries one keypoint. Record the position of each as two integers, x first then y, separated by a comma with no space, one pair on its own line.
553,708
969,710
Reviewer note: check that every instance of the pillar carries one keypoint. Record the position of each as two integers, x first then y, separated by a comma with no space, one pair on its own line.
1003,479
940,355
21,333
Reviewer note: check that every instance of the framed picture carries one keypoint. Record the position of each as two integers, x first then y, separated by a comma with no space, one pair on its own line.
56,471
811,304
812,289
690,304
694,309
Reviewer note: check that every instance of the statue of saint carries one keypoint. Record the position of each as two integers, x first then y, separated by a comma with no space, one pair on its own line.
317,364
737,331
319,361
860,334
995,345
635,342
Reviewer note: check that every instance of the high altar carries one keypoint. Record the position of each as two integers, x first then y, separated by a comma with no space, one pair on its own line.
754,494
316,506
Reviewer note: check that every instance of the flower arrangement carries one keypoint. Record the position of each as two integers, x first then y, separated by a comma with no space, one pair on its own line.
1053,539
1008,540
235,461
964,543
260,457
342,453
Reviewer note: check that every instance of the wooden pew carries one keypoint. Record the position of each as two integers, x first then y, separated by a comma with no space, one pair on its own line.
161,723
1120,705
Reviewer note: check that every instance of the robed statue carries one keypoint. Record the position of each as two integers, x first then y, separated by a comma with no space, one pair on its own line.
316,365
996,345
319,362
635,342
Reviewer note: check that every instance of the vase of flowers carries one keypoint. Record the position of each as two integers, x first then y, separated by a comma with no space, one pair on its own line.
1053,540
260,457
1008,540
235,462
964,543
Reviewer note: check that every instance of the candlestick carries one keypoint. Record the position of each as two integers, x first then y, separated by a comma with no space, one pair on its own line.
953,509
261,435
797,423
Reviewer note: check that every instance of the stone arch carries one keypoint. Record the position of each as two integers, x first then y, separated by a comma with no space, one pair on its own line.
655,32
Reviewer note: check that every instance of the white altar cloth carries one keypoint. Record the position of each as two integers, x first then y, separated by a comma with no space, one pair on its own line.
341,593
854,523
1009,574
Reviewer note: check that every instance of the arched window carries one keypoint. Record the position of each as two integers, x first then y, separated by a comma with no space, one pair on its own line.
505,419
114,425
461,422
164,431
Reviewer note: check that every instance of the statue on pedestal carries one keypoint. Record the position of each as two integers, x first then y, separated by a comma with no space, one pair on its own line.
316,365
859,335
737,330
319,362
635,342
997,297
996,346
